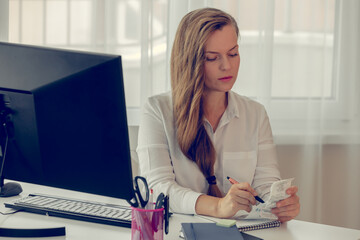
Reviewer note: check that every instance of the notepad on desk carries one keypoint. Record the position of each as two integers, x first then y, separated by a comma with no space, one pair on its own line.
248,224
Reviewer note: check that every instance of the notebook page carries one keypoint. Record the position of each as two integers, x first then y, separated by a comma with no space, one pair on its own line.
239,223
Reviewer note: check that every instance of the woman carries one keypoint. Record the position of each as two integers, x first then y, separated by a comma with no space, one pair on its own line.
191,139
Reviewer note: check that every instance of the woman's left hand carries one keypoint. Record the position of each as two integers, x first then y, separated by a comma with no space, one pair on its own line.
288,208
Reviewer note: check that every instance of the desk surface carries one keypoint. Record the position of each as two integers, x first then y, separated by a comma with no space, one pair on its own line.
76,230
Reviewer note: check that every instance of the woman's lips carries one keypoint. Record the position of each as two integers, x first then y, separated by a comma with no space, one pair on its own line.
227,78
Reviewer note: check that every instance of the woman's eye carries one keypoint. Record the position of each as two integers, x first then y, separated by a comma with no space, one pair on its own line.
233,54
211,59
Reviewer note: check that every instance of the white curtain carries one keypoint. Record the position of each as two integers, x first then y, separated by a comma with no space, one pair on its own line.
300,58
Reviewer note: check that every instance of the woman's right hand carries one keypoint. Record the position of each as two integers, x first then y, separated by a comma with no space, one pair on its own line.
241,196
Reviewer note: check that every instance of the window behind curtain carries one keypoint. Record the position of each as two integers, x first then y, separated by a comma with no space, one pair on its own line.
301,41
302,35
110,26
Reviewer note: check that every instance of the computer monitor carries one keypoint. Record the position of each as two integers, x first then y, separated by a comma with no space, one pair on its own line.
68,125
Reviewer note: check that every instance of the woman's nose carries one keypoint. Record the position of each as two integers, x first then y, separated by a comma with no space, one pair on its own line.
225,63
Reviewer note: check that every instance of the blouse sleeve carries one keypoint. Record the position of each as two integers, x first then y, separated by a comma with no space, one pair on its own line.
267,170
155,159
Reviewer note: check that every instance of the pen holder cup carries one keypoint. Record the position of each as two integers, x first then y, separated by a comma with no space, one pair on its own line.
147,224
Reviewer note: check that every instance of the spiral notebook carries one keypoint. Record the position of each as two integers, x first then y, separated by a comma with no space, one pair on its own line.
249,225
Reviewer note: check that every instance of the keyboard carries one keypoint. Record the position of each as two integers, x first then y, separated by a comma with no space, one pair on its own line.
109,214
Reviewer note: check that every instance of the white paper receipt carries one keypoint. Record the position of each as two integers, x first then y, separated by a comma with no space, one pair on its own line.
277,192
263,210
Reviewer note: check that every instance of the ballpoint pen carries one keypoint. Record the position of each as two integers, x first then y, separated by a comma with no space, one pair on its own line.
233,181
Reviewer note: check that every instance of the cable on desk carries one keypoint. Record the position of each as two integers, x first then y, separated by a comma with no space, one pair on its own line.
9,213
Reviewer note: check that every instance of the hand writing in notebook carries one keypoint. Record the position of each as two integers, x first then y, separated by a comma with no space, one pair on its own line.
239,197
282,203
288,208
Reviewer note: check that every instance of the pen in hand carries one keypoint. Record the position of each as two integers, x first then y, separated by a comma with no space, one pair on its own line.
233,181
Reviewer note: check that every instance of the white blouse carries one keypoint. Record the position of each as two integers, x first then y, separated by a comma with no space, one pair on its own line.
243,143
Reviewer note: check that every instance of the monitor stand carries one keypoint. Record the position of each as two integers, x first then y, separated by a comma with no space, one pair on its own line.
8,189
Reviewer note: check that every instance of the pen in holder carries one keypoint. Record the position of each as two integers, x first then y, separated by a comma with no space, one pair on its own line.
147,224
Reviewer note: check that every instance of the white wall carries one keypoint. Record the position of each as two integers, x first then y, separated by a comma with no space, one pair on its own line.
340,191
4,20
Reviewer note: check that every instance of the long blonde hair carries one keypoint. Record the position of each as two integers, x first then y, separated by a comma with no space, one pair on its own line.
187,83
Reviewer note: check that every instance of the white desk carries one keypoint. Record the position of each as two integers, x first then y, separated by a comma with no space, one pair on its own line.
79,230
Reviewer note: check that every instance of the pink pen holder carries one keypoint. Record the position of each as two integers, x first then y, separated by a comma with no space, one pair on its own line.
147,224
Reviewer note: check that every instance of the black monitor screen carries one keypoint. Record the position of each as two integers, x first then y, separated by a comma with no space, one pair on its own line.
68,125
